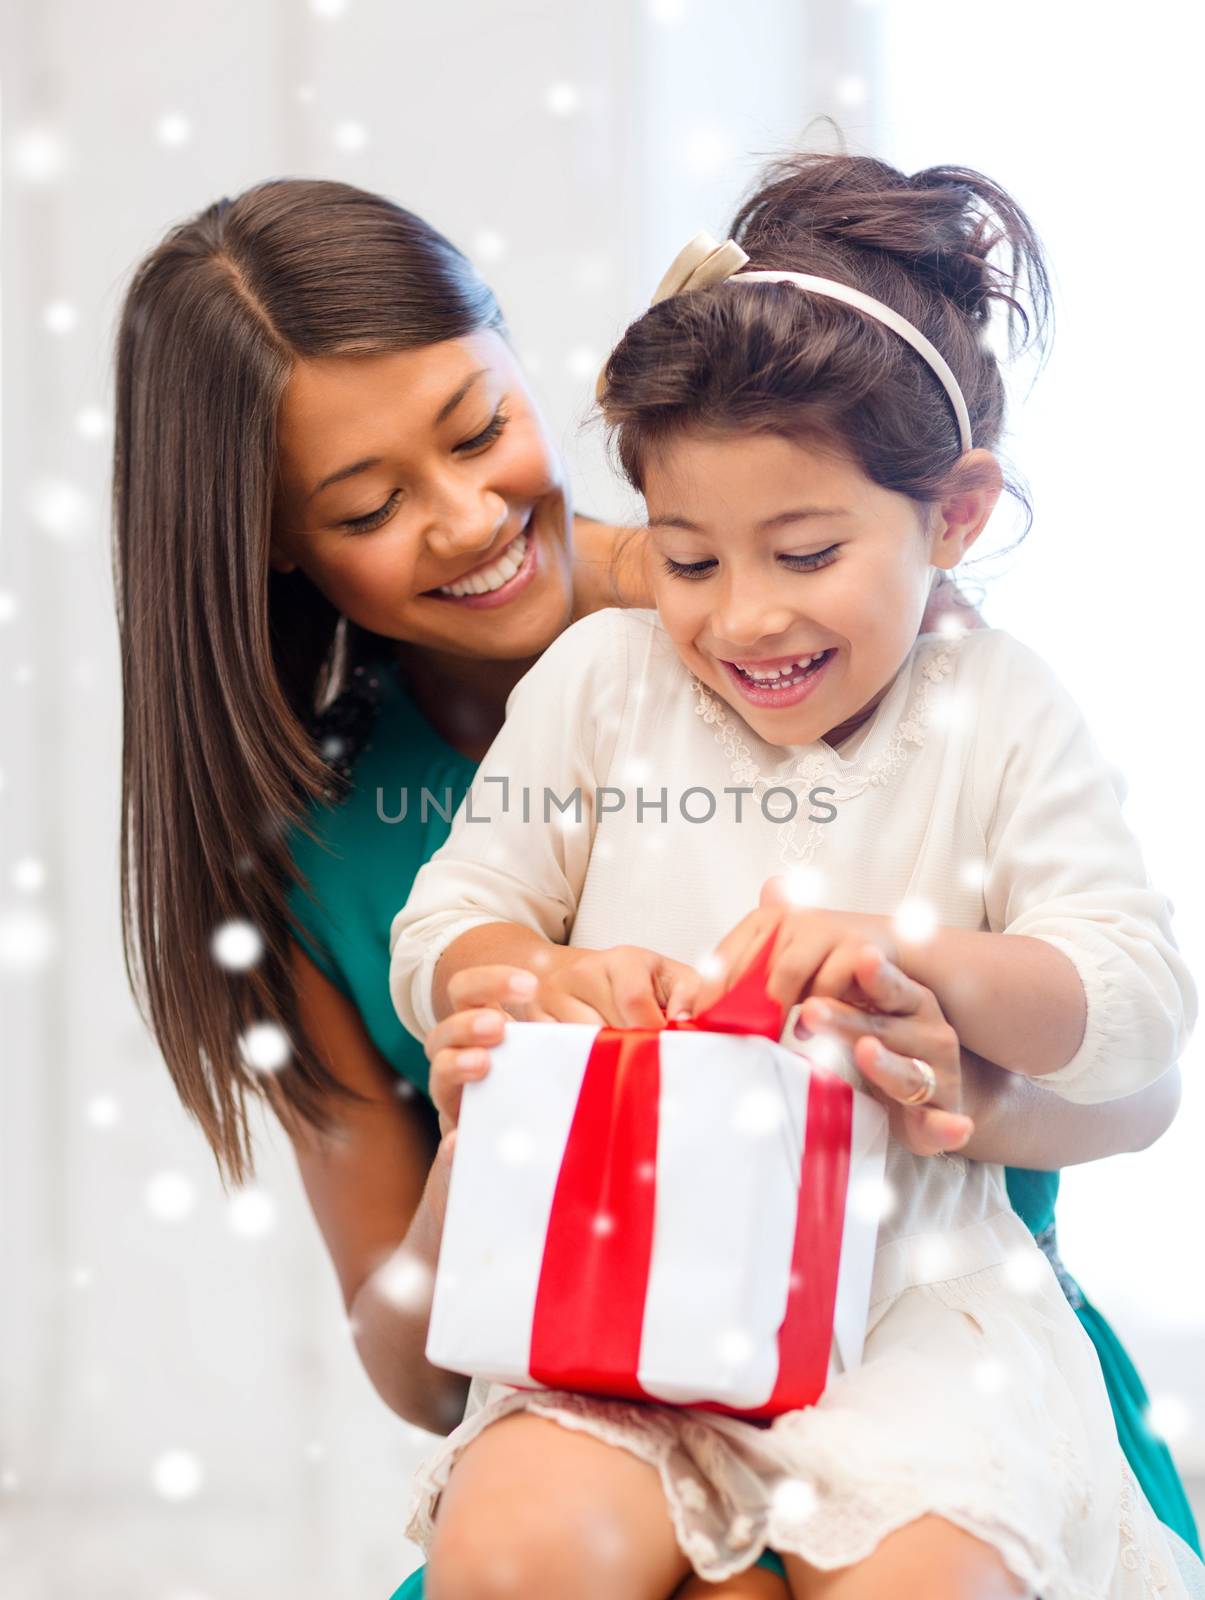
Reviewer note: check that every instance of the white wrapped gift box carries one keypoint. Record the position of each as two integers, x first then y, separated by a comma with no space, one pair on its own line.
681,1215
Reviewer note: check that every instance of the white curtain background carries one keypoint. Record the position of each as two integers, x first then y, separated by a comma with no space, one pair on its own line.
182,1416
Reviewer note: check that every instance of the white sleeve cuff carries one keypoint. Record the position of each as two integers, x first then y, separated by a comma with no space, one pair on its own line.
1126,1044
412,973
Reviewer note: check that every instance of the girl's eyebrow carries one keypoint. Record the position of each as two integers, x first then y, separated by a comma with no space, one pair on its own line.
780,518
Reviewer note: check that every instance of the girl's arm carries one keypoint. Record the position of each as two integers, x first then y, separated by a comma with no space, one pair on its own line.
1013,1000
519,847
1079,983
377,1185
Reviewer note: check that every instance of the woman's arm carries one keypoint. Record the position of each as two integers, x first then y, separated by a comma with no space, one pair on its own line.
1020,1124
610,566
378,1186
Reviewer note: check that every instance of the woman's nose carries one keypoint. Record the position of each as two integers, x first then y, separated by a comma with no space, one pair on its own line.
463,524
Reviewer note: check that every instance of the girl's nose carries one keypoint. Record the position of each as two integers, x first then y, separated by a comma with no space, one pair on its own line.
751,617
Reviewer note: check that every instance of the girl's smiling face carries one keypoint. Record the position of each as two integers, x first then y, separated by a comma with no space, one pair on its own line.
409,472
791,584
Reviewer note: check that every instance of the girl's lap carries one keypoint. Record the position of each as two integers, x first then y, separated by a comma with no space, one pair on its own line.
540,1508
976,1406
536,1508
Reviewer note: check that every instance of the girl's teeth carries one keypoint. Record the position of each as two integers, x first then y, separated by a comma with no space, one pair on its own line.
493,576
769,674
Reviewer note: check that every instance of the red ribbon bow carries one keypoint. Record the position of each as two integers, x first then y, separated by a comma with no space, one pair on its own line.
589,1308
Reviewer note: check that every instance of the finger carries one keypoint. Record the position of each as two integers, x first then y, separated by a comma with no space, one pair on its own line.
835,976
464,1029
504,986
450,1071
559,1007
897,1076
667,974
817,1015
793,967
905,1036
681,1002
733,955
773,894
888,988
932,1131
633,1001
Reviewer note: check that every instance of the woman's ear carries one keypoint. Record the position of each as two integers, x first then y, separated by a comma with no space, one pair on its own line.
961,515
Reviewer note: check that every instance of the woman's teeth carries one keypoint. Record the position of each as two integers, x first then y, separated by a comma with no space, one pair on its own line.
496,574
781,677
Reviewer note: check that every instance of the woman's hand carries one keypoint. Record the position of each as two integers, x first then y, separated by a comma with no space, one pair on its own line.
458,1047
623,987
896,1023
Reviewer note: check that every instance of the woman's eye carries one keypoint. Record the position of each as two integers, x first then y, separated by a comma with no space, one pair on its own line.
373,519
479,441
488,434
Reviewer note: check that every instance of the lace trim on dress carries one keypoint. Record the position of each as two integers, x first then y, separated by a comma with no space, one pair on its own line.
800,775
723,1516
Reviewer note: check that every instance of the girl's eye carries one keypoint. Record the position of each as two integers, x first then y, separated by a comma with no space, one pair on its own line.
488,434
700,569
818,558
686,569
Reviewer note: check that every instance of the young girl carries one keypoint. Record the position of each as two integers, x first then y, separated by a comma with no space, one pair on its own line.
810,412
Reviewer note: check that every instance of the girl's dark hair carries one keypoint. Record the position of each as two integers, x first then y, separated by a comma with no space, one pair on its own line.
224,661
771,358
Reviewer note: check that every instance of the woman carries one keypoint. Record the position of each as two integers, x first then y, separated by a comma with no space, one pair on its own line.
342,536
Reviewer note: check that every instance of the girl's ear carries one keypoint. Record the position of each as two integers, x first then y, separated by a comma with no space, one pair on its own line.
962,513
280,562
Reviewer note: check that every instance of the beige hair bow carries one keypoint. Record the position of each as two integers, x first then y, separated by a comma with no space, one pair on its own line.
696,266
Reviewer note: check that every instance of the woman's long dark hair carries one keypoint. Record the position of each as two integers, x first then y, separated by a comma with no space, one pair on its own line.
222,659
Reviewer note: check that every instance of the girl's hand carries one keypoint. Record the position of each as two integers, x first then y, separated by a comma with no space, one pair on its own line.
897,1020
814,952
624,987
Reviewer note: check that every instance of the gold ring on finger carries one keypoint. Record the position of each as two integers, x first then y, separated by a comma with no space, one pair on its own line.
928,1084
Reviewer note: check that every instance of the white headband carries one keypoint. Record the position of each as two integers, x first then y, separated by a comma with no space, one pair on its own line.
703,262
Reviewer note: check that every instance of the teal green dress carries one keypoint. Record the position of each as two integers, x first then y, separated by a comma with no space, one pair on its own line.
406,782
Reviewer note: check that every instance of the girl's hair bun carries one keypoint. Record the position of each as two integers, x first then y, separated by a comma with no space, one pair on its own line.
944,225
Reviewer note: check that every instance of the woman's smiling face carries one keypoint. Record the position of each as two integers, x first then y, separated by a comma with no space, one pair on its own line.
791,583
407,473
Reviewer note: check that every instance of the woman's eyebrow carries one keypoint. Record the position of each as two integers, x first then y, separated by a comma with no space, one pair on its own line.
343,472
442,415
453,400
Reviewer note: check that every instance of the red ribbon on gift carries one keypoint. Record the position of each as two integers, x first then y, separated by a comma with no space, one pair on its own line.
589,1308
